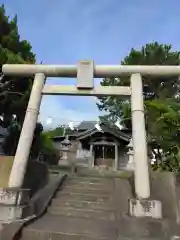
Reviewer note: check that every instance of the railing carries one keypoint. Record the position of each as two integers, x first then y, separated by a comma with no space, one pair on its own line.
14,196
33,210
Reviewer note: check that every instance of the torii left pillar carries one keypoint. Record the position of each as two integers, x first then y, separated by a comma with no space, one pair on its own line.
25,141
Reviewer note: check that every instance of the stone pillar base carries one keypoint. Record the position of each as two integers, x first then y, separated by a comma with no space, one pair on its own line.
12,203
10,213
145,208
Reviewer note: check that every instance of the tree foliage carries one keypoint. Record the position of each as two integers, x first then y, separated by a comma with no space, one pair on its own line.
58,131
42,145
161,101
50,154
11,141
14,91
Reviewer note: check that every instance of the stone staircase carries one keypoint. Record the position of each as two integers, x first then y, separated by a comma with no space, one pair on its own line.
85,198
92,208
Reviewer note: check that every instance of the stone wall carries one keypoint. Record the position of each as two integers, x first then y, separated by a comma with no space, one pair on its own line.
6,163
163,188
36,173
13,200
36,176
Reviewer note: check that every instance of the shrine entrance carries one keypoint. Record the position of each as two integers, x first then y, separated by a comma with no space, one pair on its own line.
86,71
105,152
104,155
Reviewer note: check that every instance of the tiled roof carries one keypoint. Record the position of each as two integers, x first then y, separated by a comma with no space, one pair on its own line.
87,128
106,128
85,125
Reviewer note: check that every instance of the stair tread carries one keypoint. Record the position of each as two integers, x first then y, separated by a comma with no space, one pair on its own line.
80,228
85,210
82,197
68,193
82,209
90,178
91,201
72,189
84,213
41,235
89,181
89,186
85,206
62,224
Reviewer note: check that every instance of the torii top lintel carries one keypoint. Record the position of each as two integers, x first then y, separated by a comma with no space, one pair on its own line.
99,71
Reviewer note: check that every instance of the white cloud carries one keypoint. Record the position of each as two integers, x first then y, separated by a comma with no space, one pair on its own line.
51,108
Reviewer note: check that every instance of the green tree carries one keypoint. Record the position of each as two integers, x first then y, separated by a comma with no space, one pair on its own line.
59,131
42,145
11,141
161,99
49,153
14,91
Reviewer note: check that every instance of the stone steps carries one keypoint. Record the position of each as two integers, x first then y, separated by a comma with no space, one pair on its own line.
91,185
82,181
62,227
82,209
92,208
82,197
42,235
83,204
72,228
102,214
102,173
85,190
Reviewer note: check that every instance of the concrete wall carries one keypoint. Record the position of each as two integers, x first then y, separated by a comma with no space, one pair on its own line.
36,176
164,188
36,173
6,163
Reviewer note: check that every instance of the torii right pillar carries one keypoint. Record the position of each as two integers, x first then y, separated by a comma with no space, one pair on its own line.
142,205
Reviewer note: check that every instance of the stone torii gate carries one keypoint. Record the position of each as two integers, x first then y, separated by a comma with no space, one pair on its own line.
85,71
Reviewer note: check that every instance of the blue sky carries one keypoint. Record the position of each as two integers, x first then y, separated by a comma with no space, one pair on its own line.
65,31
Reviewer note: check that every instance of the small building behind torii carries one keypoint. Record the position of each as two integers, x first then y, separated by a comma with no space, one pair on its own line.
109,148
